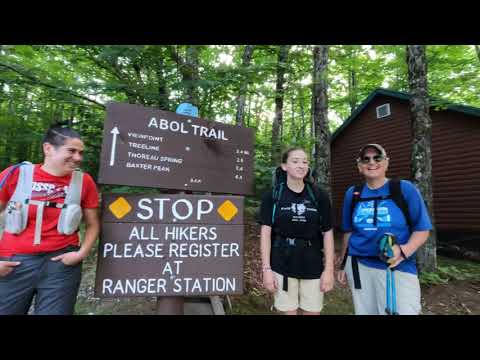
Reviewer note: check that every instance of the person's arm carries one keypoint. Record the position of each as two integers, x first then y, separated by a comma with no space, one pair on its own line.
92,229
92,223
417,239
420,229
346,225
327,279
341,277
5,266
344,248
265,247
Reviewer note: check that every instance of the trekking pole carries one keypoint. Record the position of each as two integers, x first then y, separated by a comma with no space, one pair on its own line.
386,253
391,308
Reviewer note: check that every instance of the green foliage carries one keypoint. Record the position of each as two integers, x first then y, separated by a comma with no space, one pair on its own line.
40,84
451,270
432,278
454,73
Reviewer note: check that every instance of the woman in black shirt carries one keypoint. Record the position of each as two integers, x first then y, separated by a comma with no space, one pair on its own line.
295,216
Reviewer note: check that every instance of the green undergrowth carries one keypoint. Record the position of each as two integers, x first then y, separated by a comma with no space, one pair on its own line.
451,270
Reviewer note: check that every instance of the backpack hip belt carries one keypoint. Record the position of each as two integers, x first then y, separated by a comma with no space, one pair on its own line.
282,241
288,243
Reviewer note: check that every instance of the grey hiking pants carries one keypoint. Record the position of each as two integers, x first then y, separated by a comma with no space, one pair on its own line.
371,298
54,285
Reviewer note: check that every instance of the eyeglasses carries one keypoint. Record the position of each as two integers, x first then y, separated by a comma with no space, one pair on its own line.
376,158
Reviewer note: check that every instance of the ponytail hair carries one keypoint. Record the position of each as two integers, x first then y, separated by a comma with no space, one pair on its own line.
58,133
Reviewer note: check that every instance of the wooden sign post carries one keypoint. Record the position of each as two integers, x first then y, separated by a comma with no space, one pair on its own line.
154,148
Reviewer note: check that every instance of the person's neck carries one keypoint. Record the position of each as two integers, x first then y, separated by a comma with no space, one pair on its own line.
374,184
296,185
52,171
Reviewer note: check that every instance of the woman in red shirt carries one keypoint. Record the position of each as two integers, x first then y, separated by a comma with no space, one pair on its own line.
40,261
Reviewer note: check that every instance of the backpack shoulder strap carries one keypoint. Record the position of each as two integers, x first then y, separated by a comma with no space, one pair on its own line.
75,188
313,192
357,191
22,194
23,189
399,200
277,191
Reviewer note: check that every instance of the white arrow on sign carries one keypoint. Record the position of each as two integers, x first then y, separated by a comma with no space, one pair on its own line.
115,132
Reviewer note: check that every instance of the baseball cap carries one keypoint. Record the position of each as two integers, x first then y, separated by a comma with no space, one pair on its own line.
379,148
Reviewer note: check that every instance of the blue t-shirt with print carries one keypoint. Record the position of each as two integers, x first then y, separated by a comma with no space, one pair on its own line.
365,235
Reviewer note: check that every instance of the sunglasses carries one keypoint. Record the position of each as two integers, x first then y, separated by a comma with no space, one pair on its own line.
376,158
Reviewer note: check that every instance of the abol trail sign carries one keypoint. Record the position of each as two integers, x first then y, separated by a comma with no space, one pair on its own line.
149,147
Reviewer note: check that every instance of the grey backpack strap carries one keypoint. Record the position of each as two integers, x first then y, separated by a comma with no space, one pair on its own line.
23,189
38,220
75,188
22,194
71,214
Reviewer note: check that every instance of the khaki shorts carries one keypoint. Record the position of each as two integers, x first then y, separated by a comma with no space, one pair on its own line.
303,294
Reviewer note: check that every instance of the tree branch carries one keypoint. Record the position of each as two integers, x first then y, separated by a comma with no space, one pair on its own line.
34,80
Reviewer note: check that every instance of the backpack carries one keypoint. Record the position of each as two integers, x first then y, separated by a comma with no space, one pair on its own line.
16,212
395,195
279,182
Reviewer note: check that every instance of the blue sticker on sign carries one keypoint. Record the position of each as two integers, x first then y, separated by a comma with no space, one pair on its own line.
187,109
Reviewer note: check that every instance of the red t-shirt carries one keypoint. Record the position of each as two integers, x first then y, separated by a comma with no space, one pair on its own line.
45,187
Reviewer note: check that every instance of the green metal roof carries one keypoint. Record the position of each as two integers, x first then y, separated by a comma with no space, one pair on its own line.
469,110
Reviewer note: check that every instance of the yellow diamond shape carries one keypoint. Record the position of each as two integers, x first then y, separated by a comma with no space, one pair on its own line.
120,207
227,210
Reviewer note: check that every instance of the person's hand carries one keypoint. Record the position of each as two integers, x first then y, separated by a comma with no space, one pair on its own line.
6,267
342,277
327,280
69,258
339,259
269,281
396,258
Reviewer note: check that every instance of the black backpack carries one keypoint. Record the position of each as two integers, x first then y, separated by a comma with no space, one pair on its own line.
395,194
279,182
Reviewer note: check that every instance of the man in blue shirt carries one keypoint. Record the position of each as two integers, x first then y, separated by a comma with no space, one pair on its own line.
376,213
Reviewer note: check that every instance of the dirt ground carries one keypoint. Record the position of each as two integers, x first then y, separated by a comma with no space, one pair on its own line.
456,297
441,295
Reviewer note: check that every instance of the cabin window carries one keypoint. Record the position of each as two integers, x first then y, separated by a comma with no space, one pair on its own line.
383,111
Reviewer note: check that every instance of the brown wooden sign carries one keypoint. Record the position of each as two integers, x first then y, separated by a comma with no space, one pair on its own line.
148,147
170,245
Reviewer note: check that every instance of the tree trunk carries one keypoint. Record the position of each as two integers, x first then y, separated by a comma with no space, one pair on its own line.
279,92
249,113
320,117
188,67
421,147
293,130
190,75
302,114
478,51
71,117
352,90
256,110
246,60
162,88
352,79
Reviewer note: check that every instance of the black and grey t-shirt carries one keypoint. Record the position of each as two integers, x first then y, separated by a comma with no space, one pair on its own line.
296,216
